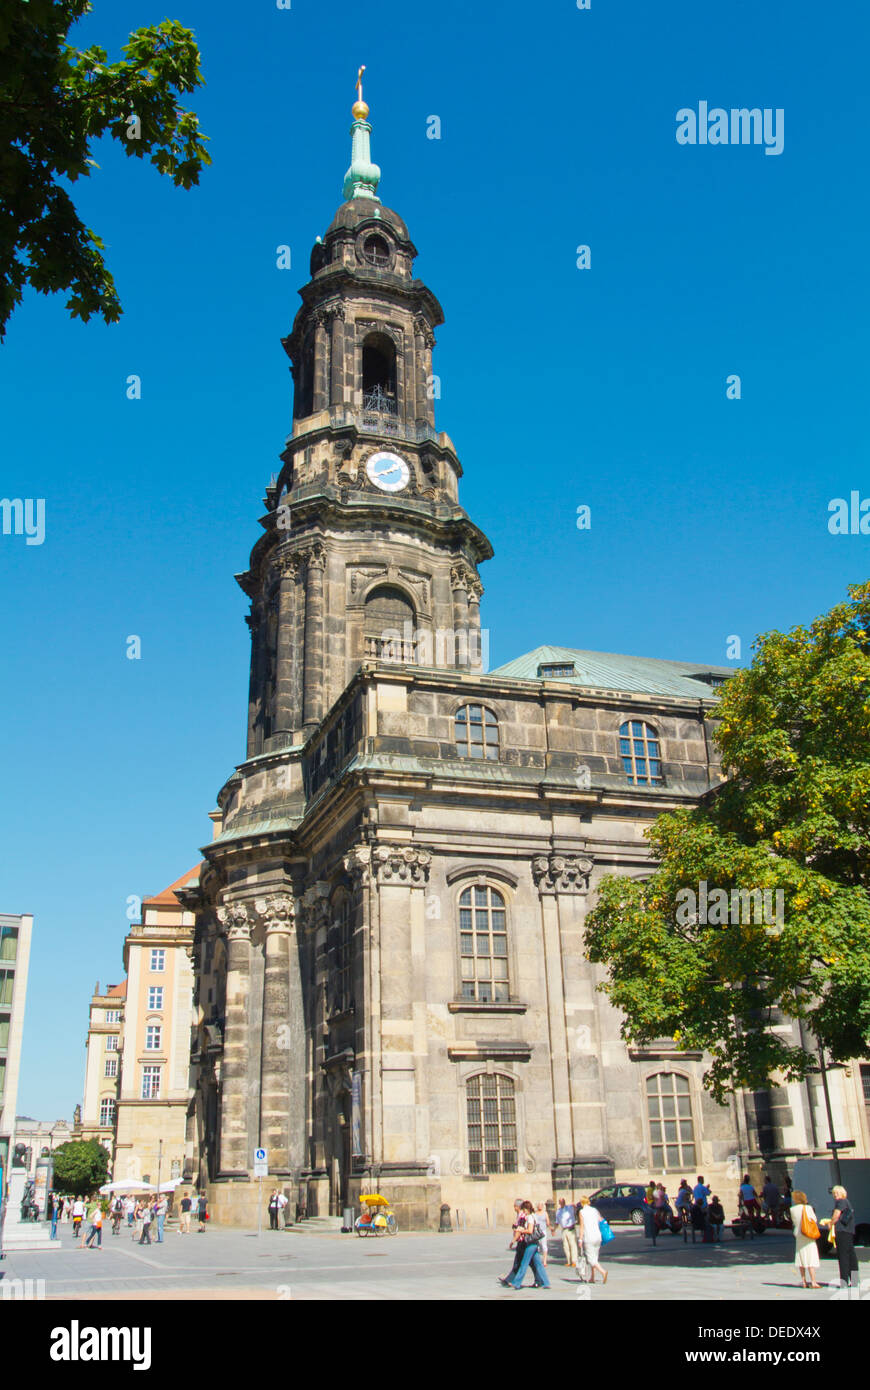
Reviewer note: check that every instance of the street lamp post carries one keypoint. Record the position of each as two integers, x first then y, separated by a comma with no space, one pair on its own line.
159,1163
835,1152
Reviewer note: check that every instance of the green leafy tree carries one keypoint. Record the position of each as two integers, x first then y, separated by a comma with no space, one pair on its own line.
794,816
80,1167
55,101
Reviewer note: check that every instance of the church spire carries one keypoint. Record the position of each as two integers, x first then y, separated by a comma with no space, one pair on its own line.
361,179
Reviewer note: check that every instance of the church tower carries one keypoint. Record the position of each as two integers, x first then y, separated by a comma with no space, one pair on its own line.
367,554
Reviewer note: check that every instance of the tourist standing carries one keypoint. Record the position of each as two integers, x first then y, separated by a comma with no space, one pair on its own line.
542,1225
202,1211
806,1251
55,1207
147,1217
160,1212
590,1219
566,1220
283,1204
716,1217
130,1209
184,1227
78,1211
273,1210
770,1196
843,1230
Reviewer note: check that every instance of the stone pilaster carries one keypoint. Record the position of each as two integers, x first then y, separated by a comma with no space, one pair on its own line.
459,587
256,623
424,341
234,916
281,1033
312,696
334,314
286,716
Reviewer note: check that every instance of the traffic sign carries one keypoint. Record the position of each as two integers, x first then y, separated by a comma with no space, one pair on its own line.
840,1144
261,1167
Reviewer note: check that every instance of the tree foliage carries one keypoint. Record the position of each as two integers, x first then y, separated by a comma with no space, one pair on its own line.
55,101
80,1167
793,730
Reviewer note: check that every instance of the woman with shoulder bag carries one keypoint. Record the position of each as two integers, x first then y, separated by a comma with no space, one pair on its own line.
806,1233
528,1235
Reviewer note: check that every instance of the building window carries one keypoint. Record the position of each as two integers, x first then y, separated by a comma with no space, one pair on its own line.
107,1110
476,732
112,1042
152,1037
111,1066
7,984
558,671
483,946
376,251
158,959
342,959
8,943
155,997
4,1032
641,752
492,1125
113,1015
389,626
150,1083
865,1082
672,1134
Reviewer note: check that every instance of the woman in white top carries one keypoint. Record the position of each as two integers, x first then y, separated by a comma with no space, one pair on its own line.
806,1252
590,1222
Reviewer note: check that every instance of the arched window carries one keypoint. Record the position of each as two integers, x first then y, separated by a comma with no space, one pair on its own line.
641,752
379,374
483,947
491,1110
390,623
476,732
672,1134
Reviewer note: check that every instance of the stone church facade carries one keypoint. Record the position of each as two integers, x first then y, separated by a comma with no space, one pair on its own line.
390,980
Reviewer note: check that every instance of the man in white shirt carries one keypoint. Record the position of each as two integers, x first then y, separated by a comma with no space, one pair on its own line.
282,1207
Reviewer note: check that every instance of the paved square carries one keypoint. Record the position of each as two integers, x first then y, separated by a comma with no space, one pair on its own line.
300,1265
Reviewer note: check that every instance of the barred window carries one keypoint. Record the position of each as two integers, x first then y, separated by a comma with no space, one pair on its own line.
492,1125
107,1110
476,732
483,946
641,752
672,1134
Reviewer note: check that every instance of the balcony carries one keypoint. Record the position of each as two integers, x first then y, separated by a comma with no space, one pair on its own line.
367,420
392,650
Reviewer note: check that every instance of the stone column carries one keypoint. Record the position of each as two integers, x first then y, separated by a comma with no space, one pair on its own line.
478,658
334,315
459,586
256,623
287,567
424,341
278,915
233,1154
320,398
314,679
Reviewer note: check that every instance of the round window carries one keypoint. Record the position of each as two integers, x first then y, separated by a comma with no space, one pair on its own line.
376,251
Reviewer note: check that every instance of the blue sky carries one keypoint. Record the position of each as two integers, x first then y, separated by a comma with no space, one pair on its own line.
560,387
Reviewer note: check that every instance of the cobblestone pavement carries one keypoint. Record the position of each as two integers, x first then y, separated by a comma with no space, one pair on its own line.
297,1264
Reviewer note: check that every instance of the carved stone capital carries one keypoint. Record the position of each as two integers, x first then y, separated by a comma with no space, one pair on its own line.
235,918
559,873
314,556
286,566
401,864
327,312
459,577
424,331
278,913
358,864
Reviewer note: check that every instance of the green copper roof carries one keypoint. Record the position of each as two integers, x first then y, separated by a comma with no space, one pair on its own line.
608,671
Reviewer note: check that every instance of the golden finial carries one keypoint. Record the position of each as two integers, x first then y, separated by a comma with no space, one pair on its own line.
359,109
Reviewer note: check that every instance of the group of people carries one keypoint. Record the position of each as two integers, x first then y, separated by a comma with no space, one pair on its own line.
581,1229
807,1230
142,1214
278,1202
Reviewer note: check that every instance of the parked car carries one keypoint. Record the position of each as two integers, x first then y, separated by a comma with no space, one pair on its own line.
622,1202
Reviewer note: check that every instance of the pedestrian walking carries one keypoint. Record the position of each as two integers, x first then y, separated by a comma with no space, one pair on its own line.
130,1210
117,1215
160,1208
78,1211
55,1206
528,1239
590,1219
184,1226
273,1210
96,1231
806,1234
202,1212
843,1233
88,1229
566,1220
147,1217
542,1224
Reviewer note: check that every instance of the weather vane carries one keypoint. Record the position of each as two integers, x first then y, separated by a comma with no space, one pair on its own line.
359,82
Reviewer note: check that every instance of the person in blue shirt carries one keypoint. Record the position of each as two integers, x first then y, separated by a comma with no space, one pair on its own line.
701,1192
566,1220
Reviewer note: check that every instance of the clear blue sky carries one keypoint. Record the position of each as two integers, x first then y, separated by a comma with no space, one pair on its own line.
559,387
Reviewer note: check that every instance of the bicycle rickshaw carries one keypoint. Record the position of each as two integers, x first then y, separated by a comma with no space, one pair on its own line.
377,1217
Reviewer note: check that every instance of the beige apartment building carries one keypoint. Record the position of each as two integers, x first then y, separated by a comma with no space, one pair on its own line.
102,1065
154,1090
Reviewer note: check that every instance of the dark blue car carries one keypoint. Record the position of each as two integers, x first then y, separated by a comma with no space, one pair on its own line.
622,1202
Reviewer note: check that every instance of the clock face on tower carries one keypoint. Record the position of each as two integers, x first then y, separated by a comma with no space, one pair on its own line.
388,471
